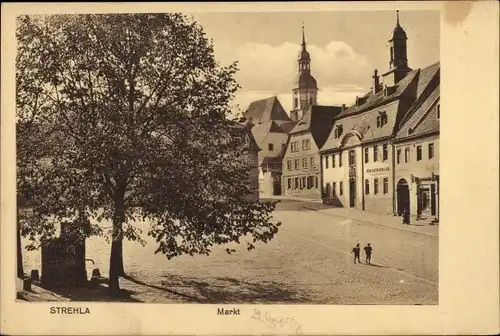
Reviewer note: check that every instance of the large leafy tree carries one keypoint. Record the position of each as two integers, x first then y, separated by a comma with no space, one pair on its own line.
136,107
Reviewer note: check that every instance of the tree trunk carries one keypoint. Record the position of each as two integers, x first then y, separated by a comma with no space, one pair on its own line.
20,269
116,258
114,283
119,267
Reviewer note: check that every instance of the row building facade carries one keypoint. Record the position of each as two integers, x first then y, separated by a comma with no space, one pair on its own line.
373,158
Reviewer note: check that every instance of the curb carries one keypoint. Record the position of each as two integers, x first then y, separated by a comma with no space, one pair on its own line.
366,221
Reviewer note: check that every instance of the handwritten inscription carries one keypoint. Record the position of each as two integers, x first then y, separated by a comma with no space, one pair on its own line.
266,318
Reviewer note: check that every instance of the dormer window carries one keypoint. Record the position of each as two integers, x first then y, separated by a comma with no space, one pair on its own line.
381,119
388,90
338,131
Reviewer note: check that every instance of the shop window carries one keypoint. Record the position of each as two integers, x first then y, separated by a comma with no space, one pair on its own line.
334,188
327,190
289,183
367,187
296,183
386,185
303,182
341,188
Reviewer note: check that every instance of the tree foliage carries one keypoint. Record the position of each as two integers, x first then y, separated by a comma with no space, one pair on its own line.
133,118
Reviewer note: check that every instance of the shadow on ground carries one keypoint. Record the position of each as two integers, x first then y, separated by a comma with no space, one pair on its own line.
294,205
99,294
226,290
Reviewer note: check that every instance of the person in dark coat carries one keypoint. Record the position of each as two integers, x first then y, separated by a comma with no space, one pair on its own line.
356,250
406,217
368,251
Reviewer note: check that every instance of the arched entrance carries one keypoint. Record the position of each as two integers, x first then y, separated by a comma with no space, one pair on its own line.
403,192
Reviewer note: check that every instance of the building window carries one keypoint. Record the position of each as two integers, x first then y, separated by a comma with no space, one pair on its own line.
270,147
352,158
438,111
303,144
289,165
340,159
312,162
407,155
303,182
338,131
333,161
304,163
327,190
375,153
316,182
334,188
326,161
431,150
341,188
375,186
296,183
386,185
385,152
296,164
419,153
398,156
367,187
381,119
289,183
367,155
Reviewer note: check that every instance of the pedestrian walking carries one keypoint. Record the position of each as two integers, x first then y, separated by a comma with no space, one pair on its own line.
406,217
356,250
368,251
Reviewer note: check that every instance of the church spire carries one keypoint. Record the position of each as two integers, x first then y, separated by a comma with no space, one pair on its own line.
303,37
397,18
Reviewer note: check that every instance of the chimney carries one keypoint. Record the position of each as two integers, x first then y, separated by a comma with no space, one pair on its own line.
376,82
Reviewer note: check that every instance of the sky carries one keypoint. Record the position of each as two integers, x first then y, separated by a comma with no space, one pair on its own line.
345,48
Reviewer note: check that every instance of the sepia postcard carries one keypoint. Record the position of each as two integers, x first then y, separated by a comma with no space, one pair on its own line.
250,168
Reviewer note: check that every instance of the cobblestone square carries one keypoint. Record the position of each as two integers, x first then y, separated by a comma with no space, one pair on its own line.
308,262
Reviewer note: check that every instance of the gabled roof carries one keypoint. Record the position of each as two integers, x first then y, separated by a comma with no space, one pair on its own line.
286,126
423,119
317,120
370,100
243,130
265,110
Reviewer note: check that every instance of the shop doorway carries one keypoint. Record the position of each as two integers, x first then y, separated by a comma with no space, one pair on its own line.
403,192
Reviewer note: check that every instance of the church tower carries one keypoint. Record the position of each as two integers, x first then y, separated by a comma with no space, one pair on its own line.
305,90
398,60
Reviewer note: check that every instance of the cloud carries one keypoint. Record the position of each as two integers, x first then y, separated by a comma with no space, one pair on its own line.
273,68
